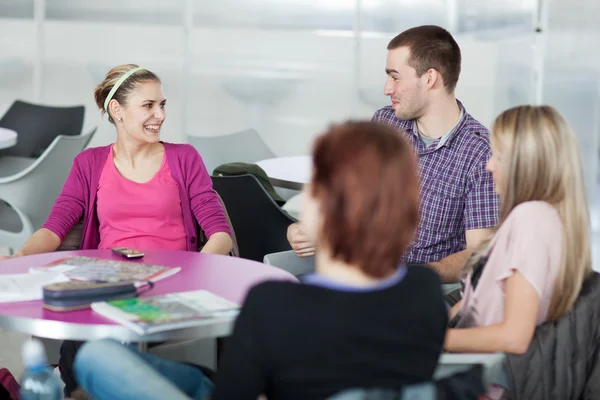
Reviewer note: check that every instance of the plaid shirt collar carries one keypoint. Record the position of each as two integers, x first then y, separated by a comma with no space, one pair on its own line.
411,129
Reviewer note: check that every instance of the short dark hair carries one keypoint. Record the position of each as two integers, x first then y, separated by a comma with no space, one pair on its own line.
365,179
434,47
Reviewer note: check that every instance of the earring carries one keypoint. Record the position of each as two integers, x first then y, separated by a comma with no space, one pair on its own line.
120,119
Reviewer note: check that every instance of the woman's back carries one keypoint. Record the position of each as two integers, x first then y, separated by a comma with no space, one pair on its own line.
309,341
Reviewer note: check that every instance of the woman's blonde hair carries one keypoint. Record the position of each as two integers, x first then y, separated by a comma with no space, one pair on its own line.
540,161
125,89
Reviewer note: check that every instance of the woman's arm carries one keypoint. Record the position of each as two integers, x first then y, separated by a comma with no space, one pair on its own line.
42,241
454,310
514,334
218,243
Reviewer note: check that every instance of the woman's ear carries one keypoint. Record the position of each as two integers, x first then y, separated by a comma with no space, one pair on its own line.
115,110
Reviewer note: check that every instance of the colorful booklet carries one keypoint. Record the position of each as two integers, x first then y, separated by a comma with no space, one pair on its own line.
146,315
95,269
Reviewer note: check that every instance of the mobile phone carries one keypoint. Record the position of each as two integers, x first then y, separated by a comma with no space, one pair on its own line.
129,253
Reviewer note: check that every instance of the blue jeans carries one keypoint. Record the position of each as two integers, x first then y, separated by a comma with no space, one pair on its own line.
107,370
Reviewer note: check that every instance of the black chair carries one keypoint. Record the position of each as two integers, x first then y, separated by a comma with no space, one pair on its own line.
38,125
260,225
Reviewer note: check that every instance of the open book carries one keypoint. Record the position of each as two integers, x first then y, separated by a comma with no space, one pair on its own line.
95,269
147,315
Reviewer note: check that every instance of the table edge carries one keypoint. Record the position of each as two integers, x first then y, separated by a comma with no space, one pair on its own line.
60,330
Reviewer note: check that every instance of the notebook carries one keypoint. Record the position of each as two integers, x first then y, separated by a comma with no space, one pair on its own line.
146,315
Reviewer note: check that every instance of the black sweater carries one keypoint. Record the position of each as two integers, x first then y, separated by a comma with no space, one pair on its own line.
295,341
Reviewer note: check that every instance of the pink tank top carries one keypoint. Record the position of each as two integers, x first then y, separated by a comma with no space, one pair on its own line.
139,215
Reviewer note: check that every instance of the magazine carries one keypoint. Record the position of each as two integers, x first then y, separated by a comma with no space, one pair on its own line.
147,315
99,270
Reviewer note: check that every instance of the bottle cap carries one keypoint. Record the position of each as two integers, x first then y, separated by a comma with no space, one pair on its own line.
33,353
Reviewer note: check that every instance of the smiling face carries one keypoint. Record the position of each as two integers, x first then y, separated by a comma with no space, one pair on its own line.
142,116
406,90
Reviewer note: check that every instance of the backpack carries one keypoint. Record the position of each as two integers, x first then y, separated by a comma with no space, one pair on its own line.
9,387
240,168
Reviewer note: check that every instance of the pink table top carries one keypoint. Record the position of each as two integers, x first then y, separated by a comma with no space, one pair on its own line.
225,276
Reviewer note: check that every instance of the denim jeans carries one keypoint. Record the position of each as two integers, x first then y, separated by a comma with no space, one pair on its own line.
107,370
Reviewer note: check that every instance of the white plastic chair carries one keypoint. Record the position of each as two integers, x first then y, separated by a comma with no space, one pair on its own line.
27,196
244,146
290,262
493,364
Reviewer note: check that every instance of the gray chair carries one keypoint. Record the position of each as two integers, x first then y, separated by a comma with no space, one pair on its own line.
27,196
38,125
244,146
290,262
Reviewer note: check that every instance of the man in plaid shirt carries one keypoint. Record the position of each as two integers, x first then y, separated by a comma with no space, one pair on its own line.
458,203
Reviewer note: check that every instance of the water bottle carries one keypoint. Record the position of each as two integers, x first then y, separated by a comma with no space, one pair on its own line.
38,381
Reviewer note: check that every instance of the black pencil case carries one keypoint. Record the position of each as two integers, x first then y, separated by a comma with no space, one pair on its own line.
76,295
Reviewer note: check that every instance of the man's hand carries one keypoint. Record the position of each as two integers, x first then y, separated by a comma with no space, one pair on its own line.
299,241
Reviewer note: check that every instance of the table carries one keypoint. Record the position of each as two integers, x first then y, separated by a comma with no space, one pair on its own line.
288,172
229,277
8,138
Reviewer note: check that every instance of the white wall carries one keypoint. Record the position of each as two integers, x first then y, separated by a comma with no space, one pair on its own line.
289,85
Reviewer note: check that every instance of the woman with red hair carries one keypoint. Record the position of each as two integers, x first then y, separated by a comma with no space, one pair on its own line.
361,321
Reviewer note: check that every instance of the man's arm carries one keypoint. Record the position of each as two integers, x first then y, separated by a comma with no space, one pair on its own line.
449,267
481,214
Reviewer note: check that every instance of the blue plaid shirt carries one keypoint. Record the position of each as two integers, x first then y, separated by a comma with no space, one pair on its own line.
457,193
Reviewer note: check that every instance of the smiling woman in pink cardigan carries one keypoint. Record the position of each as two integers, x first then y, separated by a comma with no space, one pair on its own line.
138,192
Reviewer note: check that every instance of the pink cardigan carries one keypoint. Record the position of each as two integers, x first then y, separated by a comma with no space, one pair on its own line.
199,201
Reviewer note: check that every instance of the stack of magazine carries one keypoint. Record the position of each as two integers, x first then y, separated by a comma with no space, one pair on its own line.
147,315
144,315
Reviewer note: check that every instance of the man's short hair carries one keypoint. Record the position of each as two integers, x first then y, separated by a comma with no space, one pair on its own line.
431,47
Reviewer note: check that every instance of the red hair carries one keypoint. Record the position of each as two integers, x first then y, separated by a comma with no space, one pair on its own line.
365,180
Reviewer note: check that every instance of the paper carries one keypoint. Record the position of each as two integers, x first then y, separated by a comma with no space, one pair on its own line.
25,287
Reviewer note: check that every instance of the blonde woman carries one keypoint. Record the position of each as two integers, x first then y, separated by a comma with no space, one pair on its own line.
532,269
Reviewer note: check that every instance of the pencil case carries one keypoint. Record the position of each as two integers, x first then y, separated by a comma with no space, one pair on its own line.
77,295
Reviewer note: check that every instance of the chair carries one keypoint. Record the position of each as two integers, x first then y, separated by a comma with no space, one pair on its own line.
448,288
28,195
244,146
493,366
38,125
290,262
259,223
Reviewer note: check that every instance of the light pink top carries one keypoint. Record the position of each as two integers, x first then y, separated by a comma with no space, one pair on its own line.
139,215
529,241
